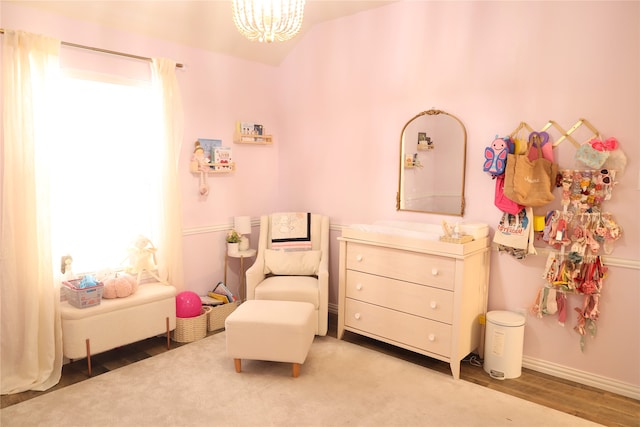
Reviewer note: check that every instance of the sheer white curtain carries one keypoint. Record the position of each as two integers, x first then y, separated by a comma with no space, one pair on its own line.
31,343
165,84
30,340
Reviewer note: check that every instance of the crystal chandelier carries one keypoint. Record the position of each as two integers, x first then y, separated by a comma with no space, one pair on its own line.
268,20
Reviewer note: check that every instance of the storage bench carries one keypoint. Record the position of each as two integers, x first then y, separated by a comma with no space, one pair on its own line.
150,311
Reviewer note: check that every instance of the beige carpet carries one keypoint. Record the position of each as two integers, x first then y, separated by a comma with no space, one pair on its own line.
340,384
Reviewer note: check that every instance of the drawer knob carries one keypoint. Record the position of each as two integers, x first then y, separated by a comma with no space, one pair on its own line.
358,258
357,316
432,337
434,271
359,286
433,304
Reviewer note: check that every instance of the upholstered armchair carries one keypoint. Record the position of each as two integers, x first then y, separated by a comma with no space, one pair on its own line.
290,266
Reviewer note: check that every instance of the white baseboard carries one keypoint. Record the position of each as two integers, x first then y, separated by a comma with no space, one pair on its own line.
582,377
559,371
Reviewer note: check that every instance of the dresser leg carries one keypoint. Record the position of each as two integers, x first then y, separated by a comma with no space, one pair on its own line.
455,369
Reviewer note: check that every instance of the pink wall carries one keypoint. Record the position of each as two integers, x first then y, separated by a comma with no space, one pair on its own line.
338,103
355,82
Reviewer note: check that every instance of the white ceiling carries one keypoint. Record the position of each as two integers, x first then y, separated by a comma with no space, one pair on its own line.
197,23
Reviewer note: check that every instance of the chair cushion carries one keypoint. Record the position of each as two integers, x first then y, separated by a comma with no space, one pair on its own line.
289,288
296,263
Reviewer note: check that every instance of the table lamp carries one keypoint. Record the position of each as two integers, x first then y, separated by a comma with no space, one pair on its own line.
242,224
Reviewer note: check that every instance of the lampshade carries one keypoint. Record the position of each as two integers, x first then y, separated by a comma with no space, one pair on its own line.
242,224
268,20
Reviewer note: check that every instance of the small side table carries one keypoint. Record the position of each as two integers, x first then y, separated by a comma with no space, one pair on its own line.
242,255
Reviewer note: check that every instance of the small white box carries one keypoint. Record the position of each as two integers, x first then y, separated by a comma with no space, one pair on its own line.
477,230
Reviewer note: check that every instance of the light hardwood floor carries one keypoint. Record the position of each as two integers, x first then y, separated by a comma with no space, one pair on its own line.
582,401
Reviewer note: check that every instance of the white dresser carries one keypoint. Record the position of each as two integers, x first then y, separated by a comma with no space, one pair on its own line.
422,295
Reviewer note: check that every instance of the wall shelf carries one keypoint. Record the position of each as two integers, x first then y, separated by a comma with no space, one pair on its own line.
228,167
413,165
422,147
244,138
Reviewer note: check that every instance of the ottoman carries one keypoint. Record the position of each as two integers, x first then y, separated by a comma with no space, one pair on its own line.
277,331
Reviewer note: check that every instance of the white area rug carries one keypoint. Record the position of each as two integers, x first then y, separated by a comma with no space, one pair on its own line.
340,384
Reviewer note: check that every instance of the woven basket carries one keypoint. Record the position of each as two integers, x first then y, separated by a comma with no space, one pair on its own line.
219,314
191,329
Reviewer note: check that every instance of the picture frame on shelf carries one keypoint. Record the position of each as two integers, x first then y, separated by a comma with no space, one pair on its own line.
251,133
251,128
208,145
424,141
247,128
222,159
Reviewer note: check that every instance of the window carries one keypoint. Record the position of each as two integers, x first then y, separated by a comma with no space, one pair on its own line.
104,171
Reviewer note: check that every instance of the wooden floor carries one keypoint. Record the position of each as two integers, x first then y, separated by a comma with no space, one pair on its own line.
582,401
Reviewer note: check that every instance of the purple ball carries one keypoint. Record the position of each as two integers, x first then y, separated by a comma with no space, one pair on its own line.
188,304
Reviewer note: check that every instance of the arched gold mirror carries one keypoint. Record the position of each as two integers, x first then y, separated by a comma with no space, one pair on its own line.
433,154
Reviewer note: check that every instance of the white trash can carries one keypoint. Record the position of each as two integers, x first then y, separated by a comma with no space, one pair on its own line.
504,341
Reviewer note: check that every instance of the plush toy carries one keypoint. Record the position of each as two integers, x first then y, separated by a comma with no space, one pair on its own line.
142,257
495,156
119,286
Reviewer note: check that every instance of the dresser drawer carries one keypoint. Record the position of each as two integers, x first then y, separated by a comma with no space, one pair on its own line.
402,265
419,300
428,335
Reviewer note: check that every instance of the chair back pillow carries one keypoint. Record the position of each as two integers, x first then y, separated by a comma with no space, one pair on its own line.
286,263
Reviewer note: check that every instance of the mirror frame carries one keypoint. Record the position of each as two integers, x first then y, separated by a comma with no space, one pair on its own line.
433,112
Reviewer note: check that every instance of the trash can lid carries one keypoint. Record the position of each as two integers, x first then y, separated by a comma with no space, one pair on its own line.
505,318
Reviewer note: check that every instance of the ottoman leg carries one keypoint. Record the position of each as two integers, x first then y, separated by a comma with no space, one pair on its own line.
238,363
296,370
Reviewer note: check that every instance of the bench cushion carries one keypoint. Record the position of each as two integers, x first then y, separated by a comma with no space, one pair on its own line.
146,293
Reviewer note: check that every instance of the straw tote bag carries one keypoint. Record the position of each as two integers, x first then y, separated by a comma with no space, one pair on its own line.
530,182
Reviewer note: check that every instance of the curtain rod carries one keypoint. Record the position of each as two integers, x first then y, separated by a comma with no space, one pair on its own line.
110,52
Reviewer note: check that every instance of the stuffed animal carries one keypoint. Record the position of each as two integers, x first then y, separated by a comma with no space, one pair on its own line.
142,257
120,286
495,156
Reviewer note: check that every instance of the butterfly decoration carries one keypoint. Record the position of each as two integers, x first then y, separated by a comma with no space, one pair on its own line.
496,156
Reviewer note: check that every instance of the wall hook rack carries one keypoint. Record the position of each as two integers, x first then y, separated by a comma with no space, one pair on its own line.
564,134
